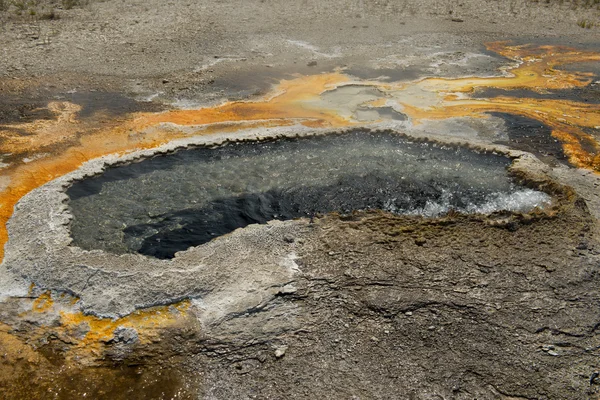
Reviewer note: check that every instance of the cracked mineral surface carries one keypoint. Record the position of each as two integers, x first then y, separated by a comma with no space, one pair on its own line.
341,199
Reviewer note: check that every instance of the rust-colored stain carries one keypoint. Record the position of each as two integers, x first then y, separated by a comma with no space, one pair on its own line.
88,333
146,322
46,149
43,302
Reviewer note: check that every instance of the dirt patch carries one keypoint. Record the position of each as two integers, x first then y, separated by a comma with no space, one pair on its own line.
400,308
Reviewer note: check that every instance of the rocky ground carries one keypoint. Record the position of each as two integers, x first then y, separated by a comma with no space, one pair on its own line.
373,305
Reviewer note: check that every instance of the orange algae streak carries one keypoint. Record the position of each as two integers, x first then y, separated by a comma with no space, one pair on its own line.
146,322
566,119
43,303
93,331
289,101
27,176
536,71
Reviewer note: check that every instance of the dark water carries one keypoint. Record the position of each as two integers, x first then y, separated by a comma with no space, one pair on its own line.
169,203
587,94
530,135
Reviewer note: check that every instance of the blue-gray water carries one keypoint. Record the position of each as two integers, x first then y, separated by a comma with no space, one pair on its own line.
169,203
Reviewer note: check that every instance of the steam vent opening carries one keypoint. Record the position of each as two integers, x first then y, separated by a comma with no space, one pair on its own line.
169,203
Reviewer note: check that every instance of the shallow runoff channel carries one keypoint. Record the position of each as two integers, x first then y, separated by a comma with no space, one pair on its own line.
168,203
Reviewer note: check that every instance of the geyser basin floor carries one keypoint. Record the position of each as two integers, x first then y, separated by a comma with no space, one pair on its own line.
485,285
169,203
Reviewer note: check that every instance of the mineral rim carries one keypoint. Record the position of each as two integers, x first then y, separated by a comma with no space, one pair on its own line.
365,303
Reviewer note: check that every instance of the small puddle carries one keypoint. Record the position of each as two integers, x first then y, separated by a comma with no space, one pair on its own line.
167,204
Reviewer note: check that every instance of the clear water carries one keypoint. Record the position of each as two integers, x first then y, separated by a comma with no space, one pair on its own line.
169,203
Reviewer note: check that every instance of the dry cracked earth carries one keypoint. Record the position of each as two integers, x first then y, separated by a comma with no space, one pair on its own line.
465,265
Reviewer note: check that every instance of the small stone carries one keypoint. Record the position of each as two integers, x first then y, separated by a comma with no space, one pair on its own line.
280,351
552,353
288,289
288,238
420,241
374,339
431,327
386,332
408,313
312,63
125,335
165,81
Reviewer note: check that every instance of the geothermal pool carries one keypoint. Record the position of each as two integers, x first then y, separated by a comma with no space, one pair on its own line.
168,203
